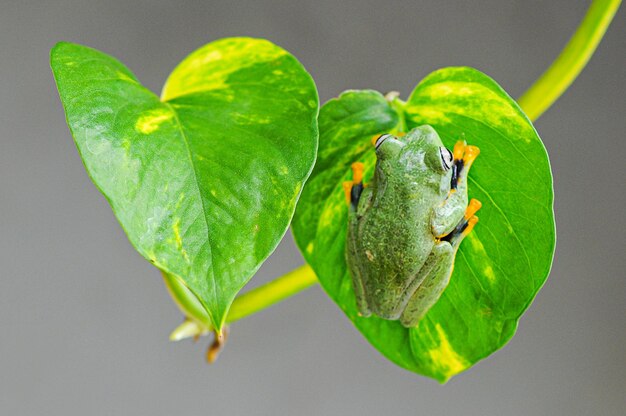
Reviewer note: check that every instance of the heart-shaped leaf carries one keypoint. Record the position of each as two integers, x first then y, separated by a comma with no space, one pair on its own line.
501,264
204,181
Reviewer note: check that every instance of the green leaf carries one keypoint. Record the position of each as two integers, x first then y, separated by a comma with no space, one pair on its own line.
204,181
502,263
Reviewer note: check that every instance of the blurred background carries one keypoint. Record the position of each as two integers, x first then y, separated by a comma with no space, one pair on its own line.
84,320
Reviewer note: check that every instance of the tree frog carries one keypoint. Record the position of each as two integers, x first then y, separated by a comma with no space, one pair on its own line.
404,228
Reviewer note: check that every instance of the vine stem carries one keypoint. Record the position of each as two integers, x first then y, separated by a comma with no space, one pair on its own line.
535,101
273,292
564,70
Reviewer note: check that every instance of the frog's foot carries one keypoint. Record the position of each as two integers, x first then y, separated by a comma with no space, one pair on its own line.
464,155
354,188
465,226
217,346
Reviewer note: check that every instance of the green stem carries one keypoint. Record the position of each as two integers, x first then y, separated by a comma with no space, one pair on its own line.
564,70
198,322
539,97
273,292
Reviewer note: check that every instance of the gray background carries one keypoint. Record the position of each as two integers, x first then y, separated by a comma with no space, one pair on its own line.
84,320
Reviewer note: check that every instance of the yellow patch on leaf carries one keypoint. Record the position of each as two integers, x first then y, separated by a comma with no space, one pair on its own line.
150,121
208,68
478,248
448,361
178,240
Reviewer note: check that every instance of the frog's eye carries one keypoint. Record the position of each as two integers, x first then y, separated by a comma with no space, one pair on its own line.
380,139
446,158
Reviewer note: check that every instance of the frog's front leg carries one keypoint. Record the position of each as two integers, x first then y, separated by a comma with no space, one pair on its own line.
435,275
448,215
464,156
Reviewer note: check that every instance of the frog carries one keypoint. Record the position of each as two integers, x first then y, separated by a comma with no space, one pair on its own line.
406,225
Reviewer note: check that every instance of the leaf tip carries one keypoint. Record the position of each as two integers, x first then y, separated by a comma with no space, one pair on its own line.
59,47
61,54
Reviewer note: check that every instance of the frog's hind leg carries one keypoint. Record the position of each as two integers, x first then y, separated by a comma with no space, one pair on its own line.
354,188
357,284
465,226
438,268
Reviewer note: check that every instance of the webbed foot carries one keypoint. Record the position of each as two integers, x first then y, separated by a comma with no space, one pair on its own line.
464,155
465,226
354,188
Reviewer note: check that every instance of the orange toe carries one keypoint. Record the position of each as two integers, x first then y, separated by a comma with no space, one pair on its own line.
459,149
473,206
471,152
357,172
470,225
347,189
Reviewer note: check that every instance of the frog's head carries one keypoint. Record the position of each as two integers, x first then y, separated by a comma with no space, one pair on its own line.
424,143
418,149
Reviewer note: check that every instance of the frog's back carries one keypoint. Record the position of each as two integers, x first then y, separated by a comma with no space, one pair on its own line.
394,238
